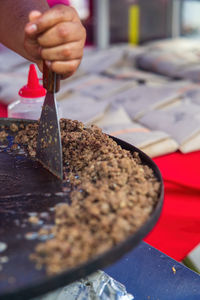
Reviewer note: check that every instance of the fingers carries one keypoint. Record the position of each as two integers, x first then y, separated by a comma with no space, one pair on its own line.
64,52
40,23
61,33
66,68
55,16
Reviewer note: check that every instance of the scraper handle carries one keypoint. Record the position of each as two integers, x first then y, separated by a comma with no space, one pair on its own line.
51,80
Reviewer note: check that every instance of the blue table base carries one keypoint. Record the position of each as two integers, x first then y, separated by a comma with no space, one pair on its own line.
149,274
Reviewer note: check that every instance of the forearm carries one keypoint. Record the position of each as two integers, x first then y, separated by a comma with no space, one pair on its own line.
13,18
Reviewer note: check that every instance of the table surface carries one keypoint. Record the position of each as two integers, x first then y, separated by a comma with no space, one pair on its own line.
148,274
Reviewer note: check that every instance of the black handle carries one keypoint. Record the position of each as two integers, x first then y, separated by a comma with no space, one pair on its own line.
51,80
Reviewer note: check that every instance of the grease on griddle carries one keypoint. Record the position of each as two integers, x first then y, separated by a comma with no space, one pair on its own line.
3,247
4,259
31,236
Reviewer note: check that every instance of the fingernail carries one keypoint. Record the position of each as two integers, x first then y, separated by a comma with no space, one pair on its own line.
31,28
48,63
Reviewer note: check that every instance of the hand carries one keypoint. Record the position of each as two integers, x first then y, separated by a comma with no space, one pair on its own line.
56,36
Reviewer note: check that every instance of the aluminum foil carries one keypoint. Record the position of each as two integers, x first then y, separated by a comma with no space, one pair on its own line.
98,286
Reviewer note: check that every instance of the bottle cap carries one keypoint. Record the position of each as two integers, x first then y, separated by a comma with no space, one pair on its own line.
33,89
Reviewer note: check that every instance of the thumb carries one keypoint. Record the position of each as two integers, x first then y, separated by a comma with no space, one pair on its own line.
30,39
31,27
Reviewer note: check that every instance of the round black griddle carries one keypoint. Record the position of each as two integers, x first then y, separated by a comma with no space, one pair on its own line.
27,188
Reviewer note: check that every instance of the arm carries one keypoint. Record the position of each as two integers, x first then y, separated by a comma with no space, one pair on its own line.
14,14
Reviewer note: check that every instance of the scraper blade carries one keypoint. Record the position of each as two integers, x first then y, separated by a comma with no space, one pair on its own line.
49,146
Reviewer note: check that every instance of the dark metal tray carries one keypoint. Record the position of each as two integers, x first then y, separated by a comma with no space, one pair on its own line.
26,187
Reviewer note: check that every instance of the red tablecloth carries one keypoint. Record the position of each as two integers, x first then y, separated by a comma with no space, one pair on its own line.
178,230
3,110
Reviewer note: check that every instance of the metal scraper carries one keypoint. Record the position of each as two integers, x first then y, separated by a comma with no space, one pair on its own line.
49,147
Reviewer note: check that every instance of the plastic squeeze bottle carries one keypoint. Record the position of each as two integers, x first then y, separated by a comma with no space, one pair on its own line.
29,105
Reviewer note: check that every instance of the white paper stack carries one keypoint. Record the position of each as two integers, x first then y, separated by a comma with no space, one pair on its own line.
82,108
131,73
140,99
166,63
117,123
95,86
178,45
193,95
176,58
181,122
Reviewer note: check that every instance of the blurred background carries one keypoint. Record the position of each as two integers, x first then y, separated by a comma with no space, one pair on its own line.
140,19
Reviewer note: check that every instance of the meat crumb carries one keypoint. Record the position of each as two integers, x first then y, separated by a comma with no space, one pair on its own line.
3,134
174,270
14,127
